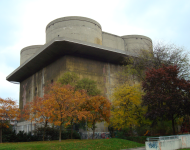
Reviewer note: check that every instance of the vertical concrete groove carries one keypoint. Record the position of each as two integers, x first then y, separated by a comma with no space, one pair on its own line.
32,92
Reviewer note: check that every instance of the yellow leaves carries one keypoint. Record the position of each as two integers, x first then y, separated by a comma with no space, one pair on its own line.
126,103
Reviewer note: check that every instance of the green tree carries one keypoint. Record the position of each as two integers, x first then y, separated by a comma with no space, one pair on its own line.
88,85
69,78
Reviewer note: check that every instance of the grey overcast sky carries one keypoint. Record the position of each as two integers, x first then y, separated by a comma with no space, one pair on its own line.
23,23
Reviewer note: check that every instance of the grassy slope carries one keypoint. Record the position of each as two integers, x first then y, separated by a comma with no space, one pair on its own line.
101,144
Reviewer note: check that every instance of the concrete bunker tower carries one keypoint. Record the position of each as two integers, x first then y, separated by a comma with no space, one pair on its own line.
79,28
28,52
90,31
74,44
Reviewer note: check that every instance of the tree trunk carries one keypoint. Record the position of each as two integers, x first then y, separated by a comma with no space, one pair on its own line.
71,129
173,125
1,134
43,133
60,132
44,130
93,128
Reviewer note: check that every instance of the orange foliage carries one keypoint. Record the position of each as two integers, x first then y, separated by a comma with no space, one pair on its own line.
99,108
36,111
65,104
58,102
76,112
8,111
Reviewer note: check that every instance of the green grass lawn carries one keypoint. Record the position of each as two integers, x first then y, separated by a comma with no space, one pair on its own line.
101,144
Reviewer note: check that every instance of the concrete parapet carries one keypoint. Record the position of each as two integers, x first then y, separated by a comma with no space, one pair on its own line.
80,28
28,52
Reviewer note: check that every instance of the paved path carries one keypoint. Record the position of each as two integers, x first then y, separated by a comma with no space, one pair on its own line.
139,148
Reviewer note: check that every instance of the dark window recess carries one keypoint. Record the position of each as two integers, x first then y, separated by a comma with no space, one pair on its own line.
58,35
52,81
36,89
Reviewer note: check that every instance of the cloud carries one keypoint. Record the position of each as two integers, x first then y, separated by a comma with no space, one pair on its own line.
7,89
25,24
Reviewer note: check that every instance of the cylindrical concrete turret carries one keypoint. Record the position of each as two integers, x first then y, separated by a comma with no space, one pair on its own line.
28,52
79,28
135,43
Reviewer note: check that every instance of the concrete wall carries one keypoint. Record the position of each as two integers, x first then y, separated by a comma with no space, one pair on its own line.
164,145
79,28
28,52
25,126
112,41
104,73
130,43
169,142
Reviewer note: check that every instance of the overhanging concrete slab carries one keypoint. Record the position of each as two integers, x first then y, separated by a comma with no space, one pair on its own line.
60,47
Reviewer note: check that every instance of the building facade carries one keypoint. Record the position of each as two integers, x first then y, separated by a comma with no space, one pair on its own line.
74,44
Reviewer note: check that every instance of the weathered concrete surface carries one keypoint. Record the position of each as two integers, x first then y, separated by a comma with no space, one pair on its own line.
80,28
104,73
135,43
60,47
26,126
28,52
113,41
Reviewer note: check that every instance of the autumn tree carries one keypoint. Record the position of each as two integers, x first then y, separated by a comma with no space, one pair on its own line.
126,106
59,102
38,112
65,104
167,95
76,110
8,111
99,108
